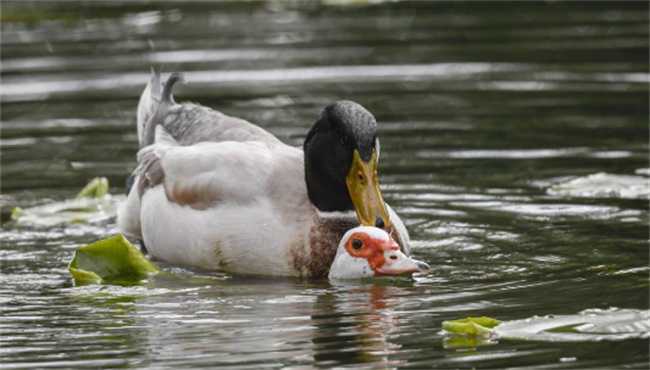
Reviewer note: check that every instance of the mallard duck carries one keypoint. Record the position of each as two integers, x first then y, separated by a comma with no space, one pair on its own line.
217,192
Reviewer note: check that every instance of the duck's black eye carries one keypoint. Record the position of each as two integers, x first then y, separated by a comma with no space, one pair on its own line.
357,244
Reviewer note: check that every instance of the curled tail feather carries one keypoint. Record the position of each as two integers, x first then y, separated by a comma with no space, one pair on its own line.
167,96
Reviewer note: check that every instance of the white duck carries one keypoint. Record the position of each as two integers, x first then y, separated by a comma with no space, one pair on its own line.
367,251
217,192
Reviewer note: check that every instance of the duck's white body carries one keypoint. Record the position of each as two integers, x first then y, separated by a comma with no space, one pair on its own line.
231,199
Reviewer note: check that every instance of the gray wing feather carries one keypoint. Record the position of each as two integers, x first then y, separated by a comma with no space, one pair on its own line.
189,123
193,123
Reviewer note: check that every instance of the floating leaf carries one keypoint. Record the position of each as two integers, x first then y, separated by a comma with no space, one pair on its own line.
96,188
111,261
92,205
71,211
484,321
466,341
589,325
83,277
474,326
16,212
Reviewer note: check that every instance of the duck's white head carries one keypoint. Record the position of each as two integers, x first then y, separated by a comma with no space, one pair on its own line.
367,251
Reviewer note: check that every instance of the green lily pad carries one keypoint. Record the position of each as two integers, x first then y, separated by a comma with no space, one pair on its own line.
16,212
589,325
71,211
110,261
484,321
467,341
471,326
96,188
92,205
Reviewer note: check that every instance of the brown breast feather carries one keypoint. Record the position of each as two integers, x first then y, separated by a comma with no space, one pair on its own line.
324,237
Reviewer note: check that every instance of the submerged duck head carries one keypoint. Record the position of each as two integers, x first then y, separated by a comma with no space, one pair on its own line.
341,163
366,252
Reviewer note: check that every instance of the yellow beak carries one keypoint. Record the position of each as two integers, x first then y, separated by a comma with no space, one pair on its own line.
363,186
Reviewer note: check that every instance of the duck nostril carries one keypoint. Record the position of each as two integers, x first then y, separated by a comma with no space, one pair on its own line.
393,257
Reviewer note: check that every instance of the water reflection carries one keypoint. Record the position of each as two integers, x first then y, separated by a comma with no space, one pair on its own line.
355,325
482,111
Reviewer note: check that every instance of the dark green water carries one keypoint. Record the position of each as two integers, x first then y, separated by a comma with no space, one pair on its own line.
482,106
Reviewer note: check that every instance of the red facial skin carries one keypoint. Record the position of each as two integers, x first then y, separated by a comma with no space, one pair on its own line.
371,249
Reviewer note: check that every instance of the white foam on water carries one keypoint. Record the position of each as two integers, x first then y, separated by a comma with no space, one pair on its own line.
642,171
603,185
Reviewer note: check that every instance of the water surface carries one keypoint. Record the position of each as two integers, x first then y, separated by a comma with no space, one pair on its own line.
482,107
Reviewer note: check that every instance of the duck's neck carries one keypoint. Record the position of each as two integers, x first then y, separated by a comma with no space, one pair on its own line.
323,239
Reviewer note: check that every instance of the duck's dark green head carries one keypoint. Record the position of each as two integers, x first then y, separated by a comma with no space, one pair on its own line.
341,158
